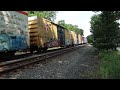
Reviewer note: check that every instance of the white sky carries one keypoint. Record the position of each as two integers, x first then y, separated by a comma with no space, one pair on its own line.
80,18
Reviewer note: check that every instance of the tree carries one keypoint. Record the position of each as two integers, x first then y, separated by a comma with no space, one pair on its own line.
96,29
71,27
62,23
105,29
50,15
90,39
81,32
118,39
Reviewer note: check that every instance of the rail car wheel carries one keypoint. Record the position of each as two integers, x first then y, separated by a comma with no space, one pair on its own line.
7,54
11,53
39,50
31,51
45,49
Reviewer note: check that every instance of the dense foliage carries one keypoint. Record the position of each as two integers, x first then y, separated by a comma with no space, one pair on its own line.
105,29
50,15
71,27
90,39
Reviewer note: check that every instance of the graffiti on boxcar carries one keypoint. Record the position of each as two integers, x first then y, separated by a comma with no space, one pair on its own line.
52,43
4,42
67,41
13,31
47,26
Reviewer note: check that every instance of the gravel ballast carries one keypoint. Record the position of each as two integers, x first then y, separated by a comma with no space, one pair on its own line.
78,64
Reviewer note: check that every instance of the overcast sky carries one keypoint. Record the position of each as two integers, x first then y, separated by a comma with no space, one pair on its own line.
80,18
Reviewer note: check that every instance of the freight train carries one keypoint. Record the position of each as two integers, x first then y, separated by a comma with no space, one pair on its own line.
18,32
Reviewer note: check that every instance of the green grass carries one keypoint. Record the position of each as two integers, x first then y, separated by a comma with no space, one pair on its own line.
110,65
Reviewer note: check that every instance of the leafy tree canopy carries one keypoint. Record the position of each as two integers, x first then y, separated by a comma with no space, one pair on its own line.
50,15
105,29
71,27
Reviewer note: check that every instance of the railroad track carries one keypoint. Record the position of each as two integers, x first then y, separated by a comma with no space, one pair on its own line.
20,55
8,66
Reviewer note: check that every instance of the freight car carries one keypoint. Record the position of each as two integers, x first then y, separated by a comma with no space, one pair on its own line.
19,32
79,39
74,38
84,40
44,34
14,34
68,41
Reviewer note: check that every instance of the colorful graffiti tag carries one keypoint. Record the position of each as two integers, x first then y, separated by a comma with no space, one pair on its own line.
13,31
53,43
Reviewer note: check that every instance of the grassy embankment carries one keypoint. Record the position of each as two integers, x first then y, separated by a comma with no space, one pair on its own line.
110,65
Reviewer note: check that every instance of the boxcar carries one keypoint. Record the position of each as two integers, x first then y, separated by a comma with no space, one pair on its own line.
57,38
68,38
61,35
84,40
79,39
14,34
74,38
44,34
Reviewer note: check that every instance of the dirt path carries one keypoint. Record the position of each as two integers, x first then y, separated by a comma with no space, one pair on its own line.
86,65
